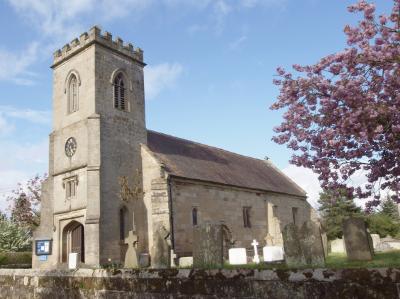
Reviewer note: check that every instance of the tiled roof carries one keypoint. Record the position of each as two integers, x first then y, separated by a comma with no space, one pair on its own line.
192,160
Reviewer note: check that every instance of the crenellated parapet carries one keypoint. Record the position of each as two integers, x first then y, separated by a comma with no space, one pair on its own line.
94,35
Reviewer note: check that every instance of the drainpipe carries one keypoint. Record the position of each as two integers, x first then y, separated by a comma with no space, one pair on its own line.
171,219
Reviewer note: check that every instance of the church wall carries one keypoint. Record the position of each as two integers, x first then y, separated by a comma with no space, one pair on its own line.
216,203
152,171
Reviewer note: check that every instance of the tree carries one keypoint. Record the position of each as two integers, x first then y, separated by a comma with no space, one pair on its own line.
25,202
14,237
385,220
383,225
334,209
342,113
389,207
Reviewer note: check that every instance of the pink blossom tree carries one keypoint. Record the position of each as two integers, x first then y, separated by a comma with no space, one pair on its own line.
25,202
342,114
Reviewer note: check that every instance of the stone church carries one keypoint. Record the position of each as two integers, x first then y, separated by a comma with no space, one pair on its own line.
99,136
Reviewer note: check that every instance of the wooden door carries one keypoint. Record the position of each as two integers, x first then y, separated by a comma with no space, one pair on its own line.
78,243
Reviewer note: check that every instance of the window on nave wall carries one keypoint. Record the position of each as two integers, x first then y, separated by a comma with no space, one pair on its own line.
73,94
119,92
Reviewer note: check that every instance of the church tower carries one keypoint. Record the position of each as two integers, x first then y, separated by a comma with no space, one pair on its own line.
98,126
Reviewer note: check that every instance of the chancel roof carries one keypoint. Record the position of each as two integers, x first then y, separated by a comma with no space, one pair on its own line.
192,160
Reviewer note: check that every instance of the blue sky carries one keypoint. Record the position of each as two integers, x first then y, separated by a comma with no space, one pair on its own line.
209,74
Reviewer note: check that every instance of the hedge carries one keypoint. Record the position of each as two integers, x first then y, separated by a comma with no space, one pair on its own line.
15,259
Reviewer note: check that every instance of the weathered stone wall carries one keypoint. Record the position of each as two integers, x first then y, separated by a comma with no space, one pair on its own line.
185,283
269,212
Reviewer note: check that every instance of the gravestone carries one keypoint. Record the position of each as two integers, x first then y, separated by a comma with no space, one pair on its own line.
185,261
325,243
311,244
273,253
376,239
356,240
131,259
294,256
144,260
208,245
269,240
337,246
256,258
161,257
237,256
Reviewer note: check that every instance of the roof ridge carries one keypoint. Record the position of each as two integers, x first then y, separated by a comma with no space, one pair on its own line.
210,146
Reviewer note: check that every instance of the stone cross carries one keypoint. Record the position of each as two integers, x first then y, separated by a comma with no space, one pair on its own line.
256,258
173,257
131,260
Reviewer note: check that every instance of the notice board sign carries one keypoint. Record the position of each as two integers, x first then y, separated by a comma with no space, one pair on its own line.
43,247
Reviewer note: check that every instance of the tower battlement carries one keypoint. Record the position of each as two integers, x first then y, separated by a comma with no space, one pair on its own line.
94,35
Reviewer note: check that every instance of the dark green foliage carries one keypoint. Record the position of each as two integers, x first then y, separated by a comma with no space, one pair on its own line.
334,208
389,207
385,221
15,258
383,225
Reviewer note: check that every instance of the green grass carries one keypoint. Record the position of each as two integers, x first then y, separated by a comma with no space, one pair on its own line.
381,259
334,261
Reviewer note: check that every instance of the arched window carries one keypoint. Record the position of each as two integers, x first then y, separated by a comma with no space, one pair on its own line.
119,92
194,216
73,94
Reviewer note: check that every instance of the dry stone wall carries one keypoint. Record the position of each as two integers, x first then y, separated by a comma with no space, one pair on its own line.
185,283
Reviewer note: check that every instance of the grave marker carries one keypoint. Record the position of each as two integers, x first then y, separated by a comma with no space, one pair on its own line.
256,258
273,253
131,259
237,256
356,240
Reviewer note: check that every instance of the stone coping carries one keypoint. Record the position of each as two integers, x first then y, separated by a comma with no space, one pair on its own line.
362,275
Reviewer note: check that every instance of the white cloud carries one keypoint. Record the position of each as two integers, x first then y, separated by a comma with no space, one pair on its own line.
159,77
14,66
307,180
238,42
5,126
26,114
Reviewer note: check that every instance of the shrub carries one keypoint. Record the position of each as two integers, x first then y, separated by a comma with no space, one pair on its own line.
15,259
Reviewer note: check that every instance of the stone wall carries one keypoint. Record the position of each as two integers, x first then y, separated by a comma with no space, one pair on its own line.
185,283
269,212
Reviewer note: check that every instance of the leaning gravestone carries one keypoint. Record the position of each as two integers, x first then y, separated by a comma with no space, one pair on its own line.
312,244
324,238
207,245
356,240
161,257
294,256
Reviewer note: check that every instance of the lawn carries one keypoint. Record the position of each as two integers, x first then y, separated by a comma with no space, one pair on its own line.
381,259
336,261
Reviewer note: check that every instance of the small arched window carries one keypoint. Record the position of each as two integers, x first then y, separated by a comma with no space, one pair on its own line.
73,94
194,216
119,92
123,222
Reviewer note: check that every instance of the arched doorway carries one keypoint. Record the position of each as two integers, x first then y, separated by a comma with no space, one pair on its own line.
73,241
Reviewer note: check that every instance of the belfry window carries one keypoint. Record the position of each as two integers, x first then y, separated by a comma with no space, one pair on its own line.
73,94
119,93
